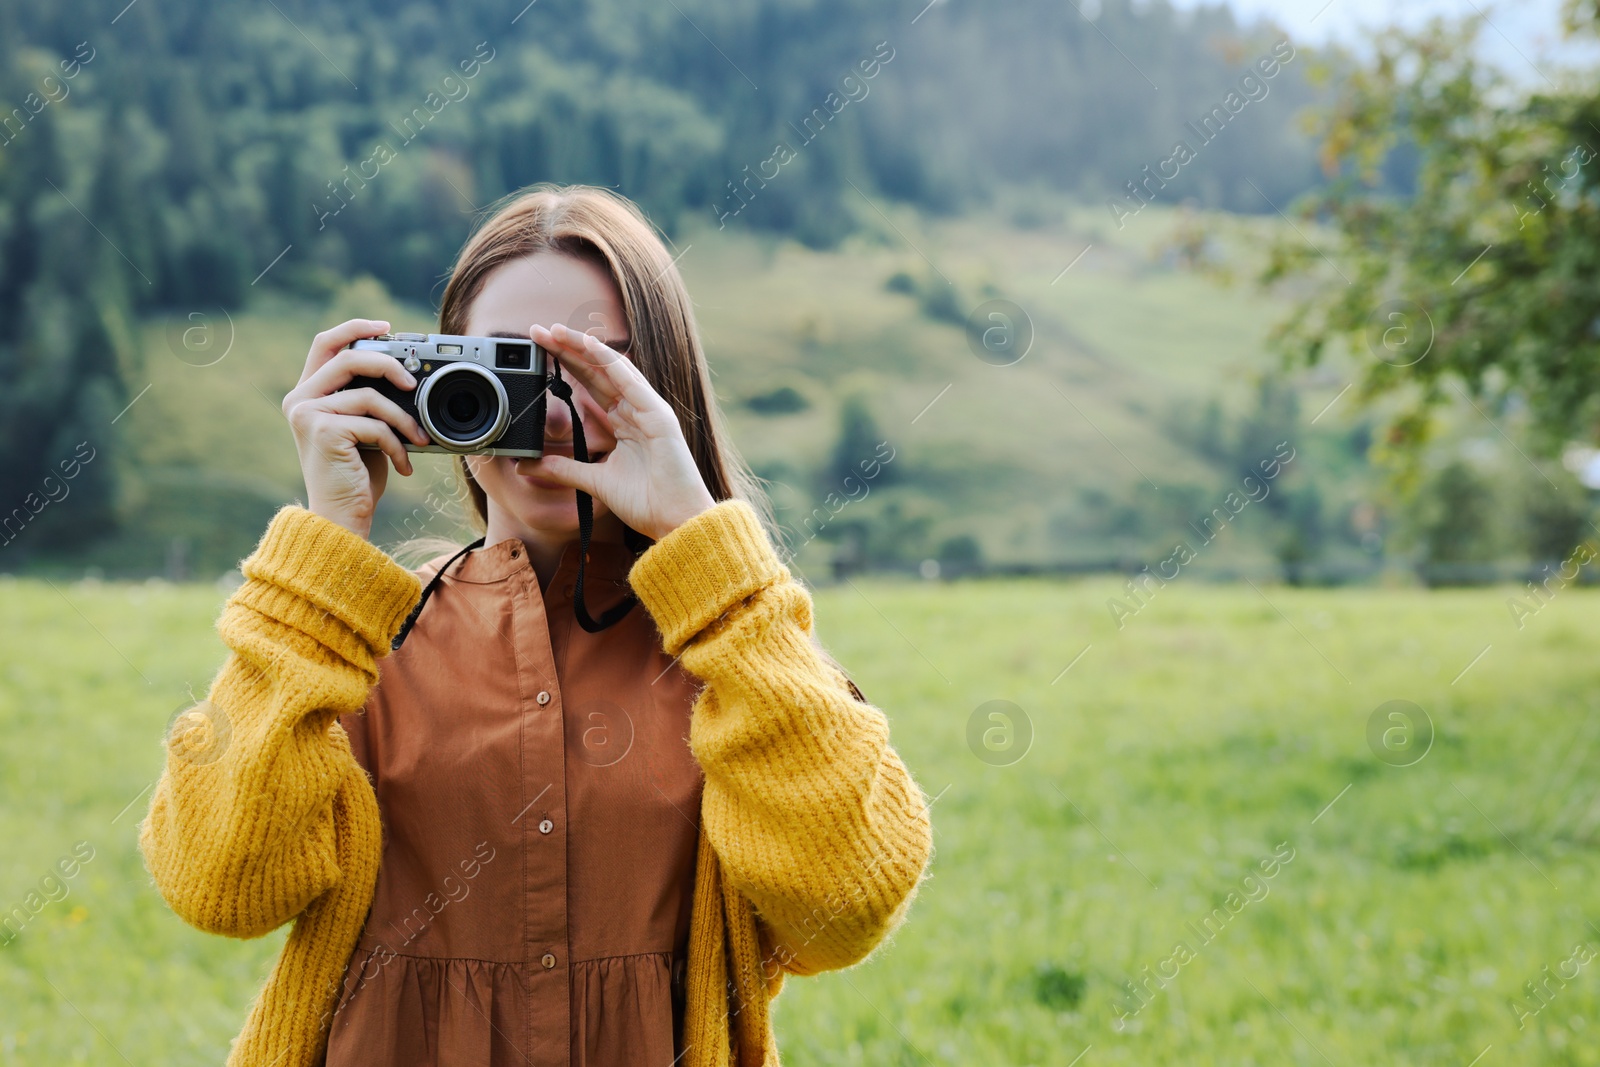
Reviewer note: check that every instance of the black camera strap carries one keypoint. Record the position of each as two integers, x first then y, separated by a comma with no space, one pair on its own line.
636,541
427,591
580,451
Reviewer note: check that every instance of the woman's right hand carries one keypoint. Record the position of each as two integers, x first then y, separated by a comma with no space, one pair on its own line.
343,479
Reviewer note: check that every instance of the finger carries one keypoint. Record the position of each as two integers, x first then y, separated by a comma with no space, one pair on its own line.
591,347
374,434
354,363
621,372
605,373
328,343
368,401
567,348
570,472
611,379
377,465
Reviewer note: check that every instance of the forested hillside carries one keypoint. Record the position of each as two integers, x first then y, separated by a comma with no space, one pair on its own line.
187,157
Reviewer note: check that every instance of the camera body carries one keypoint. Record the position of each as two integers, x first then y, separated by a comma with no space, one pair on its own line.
478,395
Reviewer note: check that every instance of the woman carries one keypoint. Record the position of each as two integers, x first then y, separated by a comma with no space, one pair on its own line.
515,840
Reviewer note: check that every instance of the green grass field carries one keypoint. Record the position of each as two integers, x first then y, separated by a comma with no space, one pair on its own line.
1173,757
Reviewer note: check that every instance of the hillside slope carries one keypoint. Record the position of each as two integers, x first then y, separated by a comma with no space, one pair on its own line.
1034,461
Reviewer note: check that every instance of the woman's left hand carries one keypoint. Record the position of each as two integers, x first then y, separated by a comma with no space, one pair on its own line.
649,480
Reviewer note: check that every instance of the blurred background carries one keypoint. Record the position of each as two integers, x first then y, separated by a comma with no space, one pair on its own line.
1185,416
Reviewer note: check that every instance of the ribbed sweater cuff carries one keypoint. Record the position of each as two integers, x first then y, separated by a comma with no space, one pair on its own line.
342,574
703,568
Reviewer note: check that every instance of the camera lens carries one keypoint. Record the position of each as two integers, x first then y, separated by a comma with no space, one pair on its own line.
463,407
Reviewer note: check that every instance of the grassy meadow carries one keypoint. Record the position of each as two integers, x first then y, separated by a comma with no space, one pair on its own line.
1219,726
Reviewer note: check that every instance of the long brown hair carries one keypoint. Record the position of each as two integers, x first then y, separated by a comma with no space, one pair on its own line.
594,223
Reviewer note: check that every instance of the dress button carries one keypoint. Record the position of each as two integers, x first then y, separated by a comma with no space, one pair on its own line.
543,697
546,826
549,960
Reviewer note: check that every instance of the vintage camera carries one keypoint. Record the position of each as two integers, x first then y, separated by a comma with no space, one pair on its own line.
483,395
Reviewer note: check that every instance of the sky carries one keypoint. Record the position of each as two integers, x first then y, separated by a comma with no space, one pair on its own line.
1522,36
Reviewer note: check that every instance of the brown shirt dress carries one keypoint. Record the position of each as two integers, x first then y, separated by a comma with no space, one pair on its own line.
541,811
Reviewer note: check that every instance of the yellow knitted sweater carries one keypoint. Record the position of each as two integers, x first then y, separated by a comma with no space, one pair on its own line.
814,835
